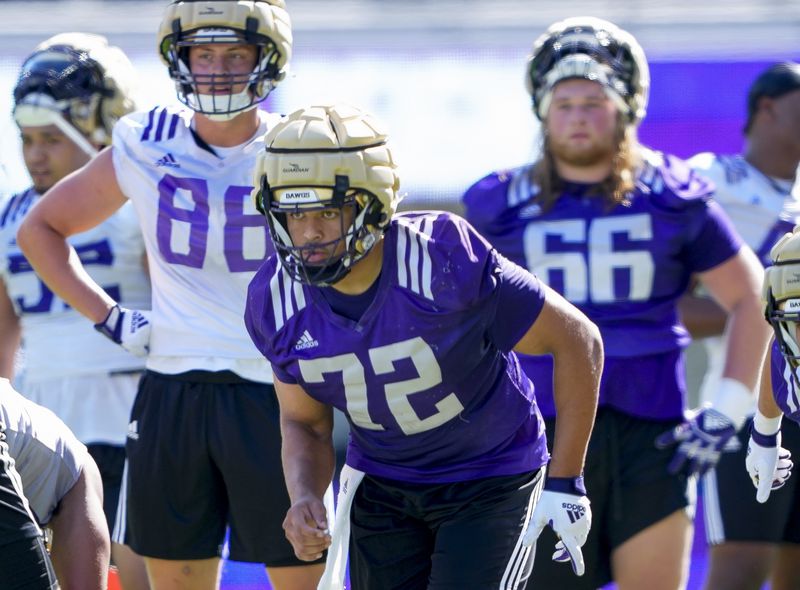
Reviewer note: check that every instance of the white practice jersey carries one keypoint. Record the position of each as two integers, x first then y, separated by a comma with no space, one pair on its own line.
48,457
762,209
204,238
58,341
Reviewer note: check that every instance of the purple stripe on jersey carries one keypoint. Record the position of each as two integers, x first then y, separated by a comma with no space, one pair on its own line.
161,120
150,118
173,125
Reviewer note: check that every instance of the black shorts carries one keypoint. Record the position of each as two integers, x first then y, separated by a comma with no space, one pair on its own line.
630,489
204,453
110,461
436,536
731,511
25,565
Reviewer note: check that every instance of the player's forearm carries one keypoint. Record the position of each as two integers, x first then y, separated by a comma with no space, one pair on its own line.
766,397
748,336
81,550
576,377
59,267
308,460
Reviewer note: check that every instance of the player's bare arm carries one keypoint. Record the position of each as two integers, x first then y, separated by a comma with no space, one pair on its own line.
767,405
79,529
308,464
77,203
736,286
575,343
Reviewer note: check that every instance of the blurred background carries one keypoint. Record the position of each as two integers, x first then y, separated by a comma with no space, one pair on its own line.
446,77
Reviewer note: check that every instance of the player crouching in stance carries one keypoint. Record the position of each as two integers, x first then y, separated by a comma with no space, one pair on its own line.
407,323
768,464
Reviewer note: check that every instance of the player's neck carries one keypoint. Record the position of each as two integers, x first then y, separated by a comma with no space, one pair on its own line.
227,133
364,273
586,174
771,158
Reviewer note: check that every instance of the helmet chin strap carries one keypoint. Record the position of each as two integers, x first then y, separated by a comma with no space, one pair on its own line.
46,112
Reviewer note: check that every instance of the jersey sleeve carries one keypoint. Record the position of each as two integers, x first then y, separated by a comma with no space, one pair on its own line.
49,457
267,289
520,299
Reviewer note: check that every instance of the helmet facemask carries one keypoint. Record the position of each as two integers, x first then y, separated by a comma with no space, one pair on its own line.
260,23
360,214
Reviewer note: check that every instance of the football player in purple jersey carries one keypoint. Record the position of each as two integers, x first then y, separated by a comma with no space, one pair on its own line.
407,323
619,230
751,542
203,441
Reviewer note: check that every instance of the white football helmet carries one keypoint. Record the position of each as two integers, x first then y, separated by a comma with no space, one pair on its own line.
323,157
78,82
263,23
782,294
592,49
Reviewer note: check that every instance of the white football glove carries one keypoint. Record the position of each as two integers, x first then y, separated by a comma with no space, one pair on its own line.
130,328
768,464
569,515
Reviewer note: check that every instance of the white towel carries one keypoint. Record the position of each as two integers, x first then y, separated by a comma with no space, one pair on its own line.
336,562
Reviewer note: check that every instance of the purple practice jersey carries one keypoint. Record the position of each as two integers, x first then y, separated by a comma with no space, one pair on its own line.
625,267
784,384
425,377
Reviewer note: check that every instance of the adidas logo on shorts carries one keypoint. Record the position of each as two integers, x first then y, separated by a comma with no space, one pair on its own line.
133,430
169,161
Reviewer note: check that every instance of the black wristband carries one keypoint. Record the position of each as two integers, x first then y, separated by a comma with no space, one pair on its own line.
566,485
763,440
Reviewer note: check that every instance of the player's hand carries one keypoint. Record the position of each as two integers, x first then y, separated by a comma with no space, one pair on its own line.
768,464
700,440
130,328
306,528
570,516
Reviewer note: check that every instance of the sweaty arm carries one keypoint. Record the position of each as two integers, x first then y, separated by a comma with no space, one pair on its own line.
574,341
75,204
308,464
736,286
81,549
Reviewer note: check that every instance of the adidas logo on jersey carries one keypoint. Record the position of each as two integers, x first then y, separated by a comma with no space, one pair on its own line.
133,430
169,161
306,341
